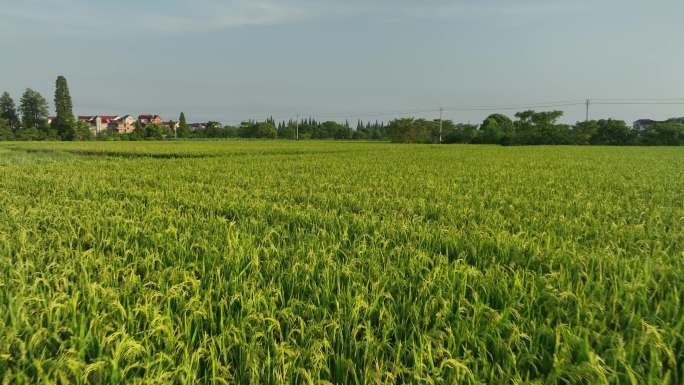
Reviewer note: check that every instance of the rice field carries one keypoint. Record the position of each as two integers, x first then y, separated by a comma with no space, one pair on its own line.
243,262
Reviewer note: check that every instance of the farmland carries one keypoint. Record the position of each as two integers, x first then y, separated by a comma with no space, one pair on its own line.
248,262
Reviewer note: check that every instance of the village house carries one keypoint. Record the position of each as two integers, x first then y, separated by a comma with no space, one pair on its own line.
171,124
643,124
197,126
122,124
99,124
149,119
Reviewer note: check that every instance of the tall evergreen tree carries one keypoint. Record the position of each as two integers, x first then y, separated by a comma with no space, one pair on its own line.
183,129
64,121
8,111
34,110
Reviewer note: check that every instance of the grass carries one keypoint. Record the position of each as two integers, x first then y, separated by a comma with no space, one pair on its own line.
340,263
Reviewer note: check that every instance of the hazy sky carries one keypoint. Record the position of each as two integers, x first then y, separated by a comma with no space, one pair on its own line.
239,59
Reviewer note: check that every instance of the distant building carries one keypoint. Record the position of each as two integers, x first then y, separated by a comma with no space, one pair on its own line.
122,124
171,124
51,119
99,124
643,124
197,126
149,119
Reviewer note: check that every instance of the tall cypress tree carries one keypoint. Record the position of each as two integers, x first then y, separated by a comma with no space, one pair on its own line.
181,119
64,121
8,111
183,130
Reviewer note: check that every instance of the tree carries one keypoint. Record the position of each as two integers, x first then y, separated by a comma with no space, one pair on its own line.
28,134
613,133
410,130
462,133
80,131
64,122
266,130
538,128
8,111
495,128
230,131
34,110
402,130
667,133
183,129
5,130
154,131
138,131
549,130
214,130
584,132
448,128
287,130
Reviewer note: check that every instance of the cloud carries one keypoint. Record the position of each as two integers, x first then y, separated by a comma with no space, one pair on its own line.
184,16
207,15
79,16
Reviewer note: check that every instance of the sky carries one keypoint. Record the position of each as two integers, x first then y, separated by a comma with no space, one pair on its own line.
233,60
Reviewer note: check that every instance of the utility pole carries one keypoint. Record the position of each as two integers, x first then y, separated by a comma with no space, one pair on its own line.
441,111
588,104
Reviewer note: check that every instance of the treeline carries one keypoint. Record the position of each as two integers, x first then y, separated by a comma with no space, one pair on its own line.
528,128
537,128
209,130
30,122
292,129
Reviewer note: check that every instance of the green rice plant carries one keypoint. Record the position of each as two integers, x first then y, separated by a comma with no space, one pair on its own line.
257,262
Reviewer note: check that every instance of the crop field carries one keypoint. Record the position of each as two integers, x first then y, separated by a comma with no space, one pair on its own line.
248,262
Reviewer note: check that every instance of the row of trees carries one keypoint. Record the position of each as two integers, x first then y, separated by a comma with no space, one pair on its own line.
30,120
292,129
537,128
269,129
265,130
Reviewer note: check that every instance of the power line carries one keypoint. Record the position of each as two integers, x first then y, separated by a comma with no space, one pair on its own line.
641,103
516,108
508,107
375,114
523,105
638,99
587,102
